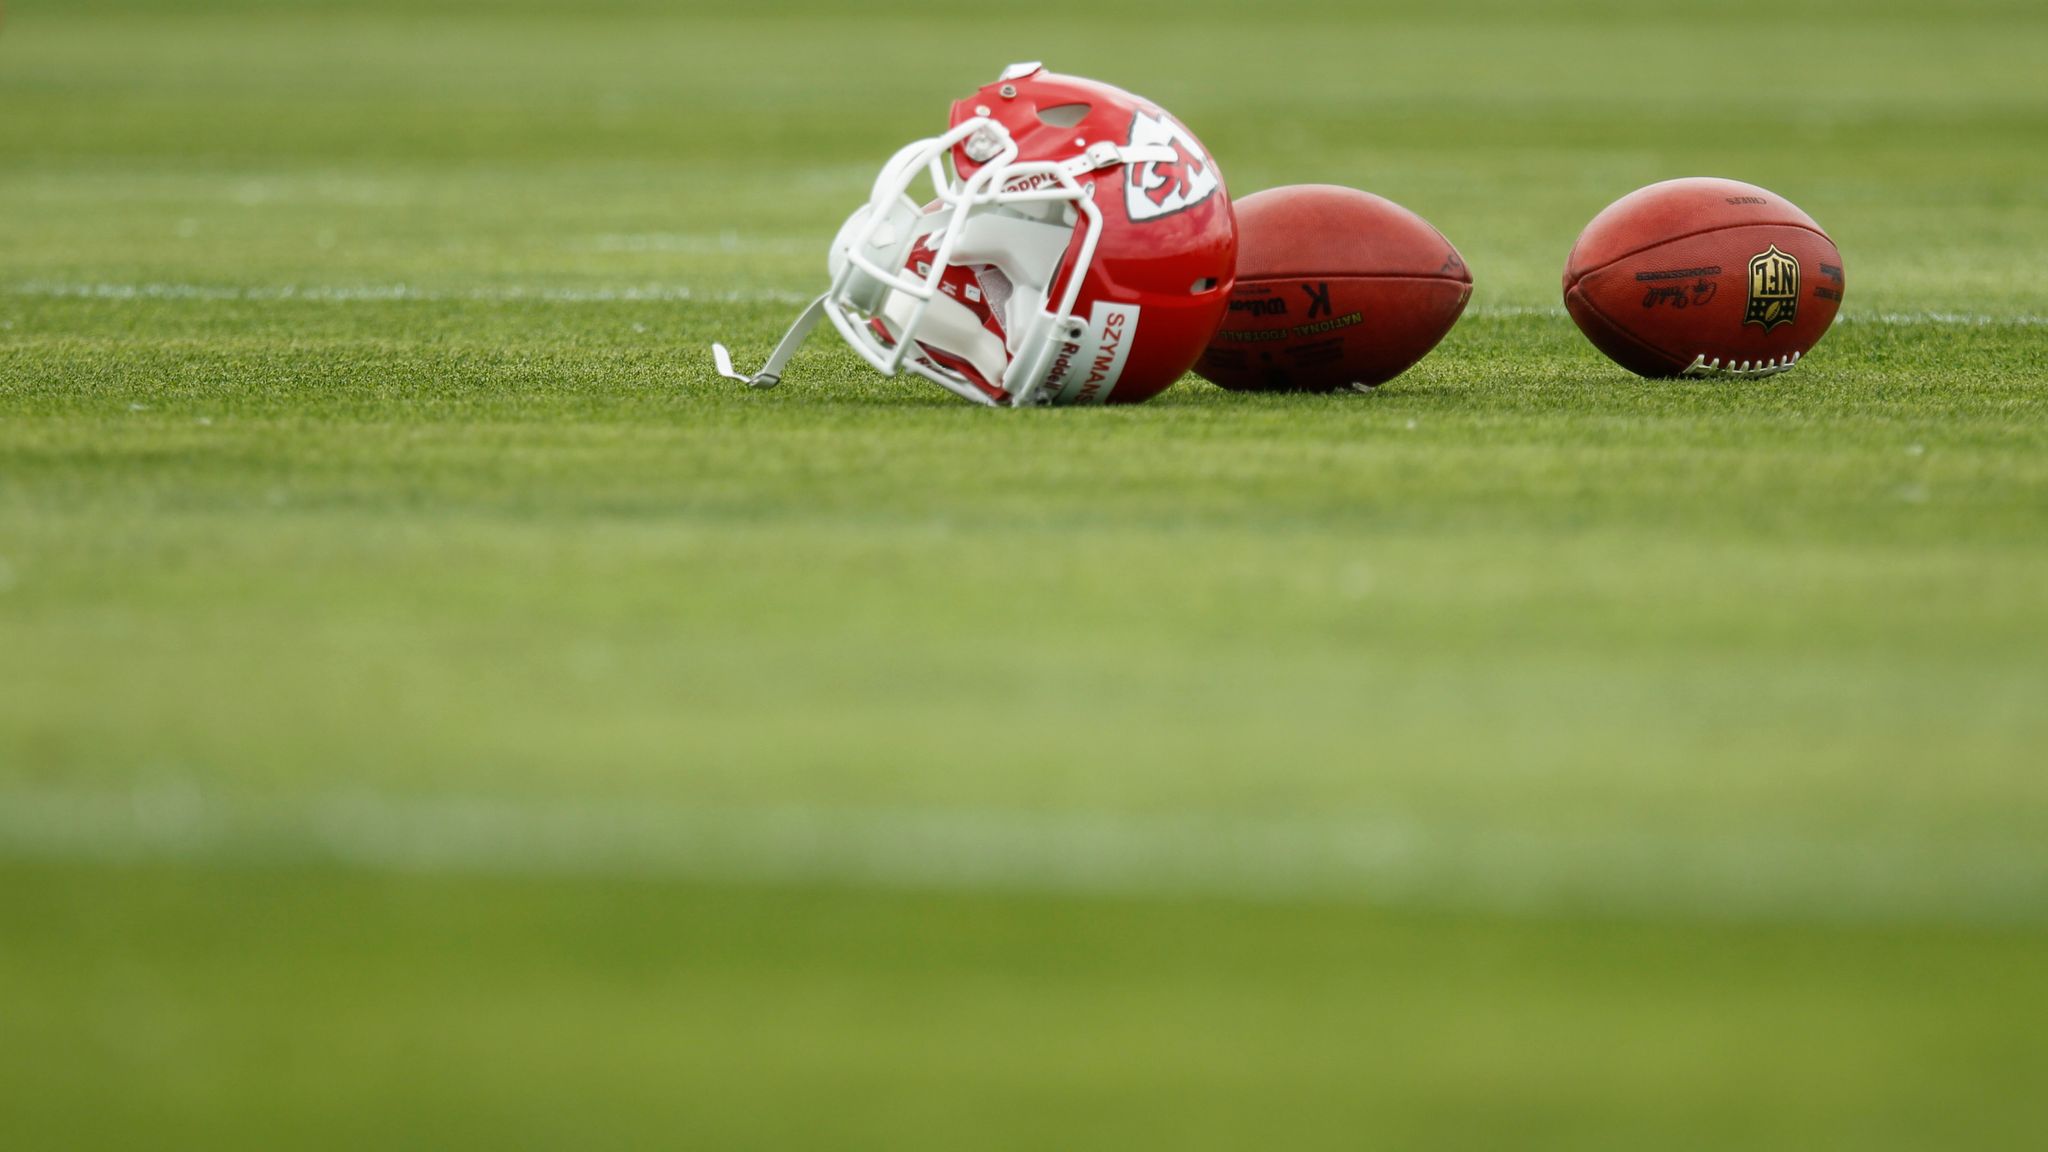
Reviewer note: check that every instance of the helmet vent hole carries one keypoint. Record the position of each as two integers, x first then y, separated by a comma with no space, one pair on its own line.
1064,115
1205,284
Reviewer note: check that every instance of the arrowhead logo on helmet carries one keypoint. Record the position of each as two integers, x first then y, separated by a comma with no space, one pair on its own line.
1155,188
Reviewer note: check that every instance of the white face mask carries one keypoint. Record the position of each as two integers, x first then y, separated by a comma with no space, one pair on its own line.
997,238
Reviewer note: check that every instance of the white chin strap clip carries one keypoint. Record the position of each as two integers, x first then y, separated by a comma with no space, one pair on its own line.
771,373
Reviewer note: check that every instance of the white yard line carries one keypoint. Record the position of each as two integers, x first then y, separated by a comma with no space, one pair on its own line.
684,293
1892,319
1951,319
1379,859
1513,312
698,243
375,293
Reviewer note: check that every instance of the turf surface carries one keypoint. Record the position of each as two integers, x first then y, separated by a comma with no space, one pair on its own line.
434,709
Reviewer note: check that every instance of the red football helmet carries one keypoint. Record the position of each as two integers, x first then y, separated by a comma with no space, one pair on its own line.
1082,251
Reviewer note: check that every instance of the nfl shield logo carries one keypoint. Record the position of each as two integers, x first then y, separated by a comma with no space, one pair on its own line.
1773,289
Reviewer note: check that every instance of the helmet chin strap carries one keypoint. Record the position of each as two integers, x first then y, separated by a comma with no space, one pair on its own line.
1106,155
771,373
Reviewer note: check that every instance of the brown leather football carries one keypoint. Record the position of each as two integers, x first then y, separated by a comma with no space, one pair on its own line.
1335,288
1703,277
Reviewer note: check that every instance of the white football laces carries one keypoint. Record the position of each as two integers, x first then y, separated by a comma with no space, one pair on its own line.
1702,368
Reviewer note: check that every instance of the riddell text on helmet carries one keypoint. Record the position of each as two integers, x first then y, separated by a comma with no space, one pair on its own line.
1086,371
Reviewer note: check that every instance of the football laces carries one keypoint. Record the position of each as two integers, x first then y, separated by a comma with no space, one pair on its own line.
1702,368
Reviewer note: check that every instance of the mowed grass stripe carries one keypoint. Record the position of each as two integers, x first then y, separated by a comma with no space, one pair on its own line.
1380,859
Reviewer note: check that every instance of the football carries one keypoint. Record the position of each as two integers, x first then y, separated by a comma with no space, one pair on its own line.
1703,277
1336,288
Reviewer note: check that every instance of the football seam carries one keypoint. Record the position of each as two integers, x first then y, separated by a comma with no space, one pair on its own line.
1690,235
1615,327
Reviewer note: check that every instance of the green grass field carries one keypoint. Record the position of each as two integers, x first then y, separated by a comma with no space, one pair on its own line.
436,711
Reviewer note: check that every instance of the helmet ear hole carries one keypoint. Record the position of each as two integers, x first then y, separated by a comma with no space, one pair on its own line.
1205,284
1063,115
